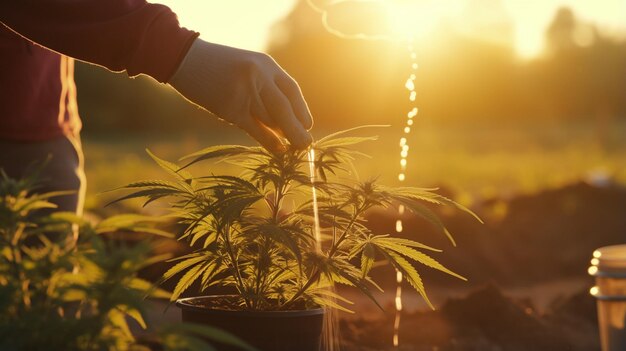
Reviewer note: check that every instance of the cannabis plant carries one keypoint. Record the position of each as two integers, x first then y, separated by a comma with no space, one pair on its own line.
57,293
254,231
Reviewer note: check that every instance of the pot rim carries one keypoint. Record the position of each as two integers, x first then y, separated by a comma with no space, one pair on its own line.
184,303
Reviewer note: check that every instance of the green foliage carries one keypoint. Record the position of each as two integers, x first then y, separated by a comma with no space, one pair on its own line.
254,231
58,293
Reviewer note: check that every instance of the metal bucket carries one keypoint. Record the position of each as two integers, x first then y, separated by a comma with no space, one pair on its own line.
608,266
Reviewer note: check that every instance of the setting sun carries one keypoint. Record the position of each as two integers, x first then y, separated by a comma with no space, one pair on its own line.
417,19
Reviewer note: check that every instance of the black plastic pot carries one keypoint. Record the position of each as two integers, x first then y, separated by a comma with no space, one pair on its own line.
265,330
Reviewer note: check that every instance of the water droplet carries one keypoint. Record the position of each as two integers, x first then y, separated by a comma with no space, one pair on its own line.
401,177
594,291
414,66
407,130
399,226
402,142
409,122
401,210
413,96
412,76
404,153
412,113
592,270
398,303
413,55
403,162
409,84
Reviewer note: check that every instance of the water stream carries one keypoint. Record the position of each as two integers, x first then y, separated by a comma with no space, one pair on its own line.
404,150
330,327
316,217
331,340
404,153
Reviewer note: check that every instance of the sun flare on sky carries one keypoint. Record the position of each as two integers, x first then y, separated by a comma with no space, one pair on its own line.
247,23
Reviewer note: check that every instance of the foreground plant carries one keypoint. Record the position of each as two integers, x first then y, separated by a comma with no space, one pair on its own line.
254,231
58,294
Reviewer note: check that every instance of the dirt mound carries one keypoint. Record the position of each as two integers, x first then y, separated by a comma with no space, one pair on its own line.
534,239
484,320
555,232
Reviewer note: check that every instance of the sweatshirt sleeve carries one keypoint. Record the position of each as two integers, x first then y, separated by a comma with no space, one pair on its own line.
131,35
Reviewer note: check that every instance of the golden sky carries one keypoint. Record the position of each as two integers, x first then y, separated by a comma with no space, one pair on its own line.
241,23
246,23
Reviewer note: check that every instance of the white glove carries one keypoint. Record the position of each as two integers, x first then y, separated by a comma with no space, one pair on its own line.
248,89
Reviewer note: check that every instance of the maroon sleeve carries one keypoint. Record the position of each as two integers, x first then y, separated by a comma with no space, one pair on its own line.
130,35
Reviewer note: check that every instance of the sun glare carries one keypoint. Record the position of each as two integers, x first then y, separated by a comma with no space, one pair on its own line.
416,19
247,23
412,19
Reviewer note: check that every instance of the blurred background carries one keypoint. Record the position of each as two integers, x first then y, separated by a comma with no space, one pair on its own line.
522,117
513,96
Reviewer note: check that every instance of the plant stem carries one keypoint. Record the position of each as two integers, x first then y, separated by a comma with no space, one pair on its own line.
314,276
342,237
241,287
315,273
279,194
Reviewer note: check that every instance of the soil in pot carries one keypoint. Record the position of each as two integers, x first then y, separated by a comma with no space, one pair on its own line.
266,330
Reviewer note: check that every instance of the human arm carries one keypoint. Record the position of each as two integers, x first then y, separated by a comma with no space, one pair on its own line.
121,35
141,37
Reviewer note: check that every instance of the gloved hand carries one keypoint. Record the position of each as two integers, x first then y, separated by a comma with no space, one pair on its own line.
248,89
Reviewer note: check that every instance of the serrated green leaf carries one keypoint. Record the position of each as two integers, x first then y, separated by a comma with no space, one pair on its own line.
152,194
432,197
326,302
345,131
136,315
410,274
407,242
187,279
367,259
170,167
351,274
148,288
118,320
394,245
344,141
430,216
329,292
182,265
280,235
217,151
69,217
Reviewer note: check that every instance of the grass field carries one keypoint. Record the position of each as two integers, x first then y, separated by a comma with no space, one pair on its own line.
472,161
